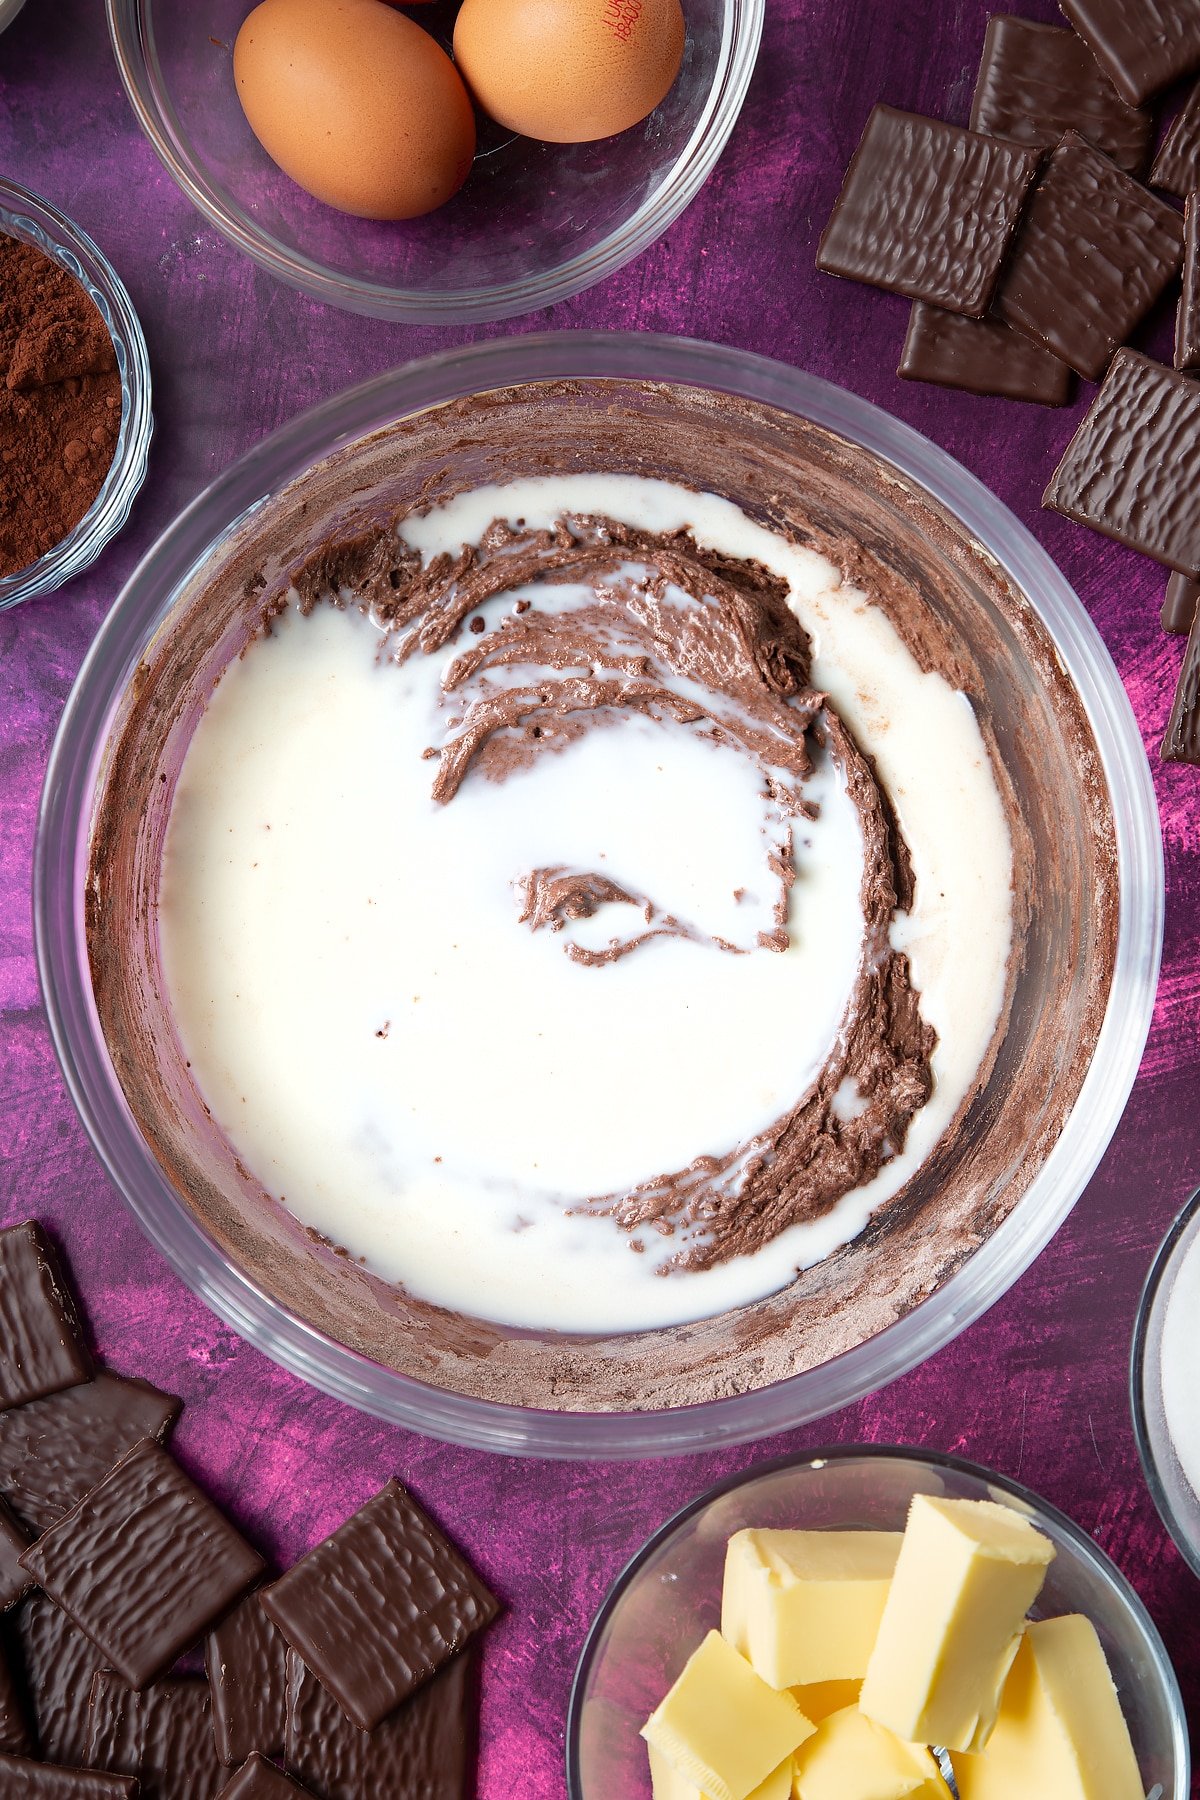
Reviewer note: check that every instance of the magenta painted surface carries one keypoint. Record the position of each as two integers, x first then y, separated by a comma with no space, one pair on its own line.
1038,1387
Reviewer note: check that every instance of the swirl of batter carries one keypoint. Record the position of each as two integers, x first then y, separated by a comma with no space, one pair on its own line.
695,640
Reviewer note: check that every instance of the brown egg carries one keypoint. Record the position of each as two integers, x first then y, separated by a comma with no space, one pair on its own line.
357,103
568,71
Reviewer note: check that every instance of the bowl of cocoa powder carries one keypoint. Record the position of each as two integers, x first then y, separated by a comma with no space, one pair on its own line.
75,420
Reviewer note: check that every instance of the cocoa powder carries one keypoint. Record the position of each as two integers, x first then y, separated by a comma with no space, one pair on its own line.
60,403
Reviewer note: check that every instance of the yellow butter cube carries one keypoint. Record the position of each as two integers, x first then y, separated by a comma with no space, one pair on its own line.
818,1699
721,1726
668,1784
967,1573
804,1606
1060,1733
850,1757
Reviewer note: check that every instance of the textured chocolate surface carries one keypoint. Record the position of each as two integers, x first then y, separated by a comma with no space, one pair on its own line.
1037,81
15,1582
261,1780
1144,45
927,209
1093,253
1176,165
1132,470
1182,742
163,1735
40,1346
425,1751
59,1663
981,356
380,1606
144,1563
15,1736
54,1451
246,1659
1187,315
1180,603
24,1780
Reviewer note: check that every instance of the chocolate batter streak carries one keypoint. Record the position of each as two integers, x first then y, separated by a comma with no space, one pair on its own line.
694,639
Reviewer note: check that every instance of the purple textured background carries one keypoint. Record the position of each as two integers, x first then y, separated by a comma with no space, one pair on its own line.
1038,1387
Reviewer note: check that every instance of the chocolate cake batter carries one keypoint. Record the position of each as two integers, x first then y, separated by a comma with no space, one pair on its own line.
959,616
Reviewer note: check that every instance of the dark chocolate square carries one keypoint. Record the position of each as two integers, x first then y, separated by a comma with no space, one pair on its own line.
981,356
261,1780
59,1663
246,1659
1182,742
143,1564
425,1751
1177,165
1187,315
15,1582
380,1606
41,1348
1132,470
162,1735
927,209
16,1739
54,1451
1142,45
1179,604
1037,81
24,1780
1094,252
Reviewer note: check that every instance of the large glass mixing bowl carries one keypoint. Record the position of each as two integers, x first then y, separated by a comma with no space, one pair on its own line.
1062,732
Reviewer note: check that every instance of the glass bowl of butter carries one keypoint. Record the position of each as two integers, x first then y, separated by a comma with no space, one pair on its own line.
756,1644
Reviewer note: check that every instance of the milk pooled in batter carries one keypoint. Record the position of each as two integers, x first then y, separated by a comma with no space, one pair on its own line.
558,960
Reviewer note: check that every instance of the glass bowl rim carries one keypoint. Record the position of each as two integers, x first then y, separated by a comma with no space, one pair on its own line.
741,36
108,512
442,1413
1084,1545
1152,1287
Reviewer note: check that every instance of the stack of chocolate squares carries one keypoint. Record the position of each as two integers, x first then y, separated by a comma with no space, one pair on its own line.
349,1678
1032,252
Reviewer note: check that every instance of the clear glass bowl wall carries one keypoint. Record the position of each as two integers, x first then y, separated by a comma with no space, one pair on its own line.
1173,1493
24,215
670,1596
534,224
554,1413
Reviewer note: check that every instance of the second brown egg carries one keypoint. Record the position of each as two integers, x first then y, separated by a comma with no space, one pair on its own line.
568,71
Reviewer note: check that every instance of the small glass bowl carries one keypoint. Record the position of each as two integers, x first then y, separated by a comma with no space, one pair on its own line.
534,224
23,215
669,1596
1177,1501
